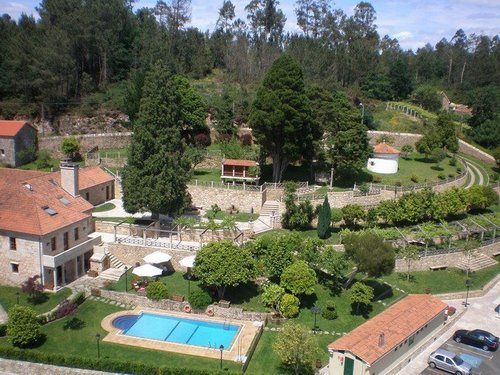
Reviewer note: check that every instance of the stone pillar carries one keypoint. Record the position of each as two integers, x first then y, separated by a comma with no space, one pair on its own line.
82,264
75,262
63,270
54,275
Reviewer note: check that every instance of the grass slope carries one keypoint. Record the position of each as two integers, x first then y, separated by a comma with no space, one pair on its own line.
8,298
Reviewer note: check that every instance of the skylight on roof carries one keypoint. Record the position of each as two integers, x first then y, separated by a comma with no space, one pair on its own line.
28,186
53,182
49,210
64,201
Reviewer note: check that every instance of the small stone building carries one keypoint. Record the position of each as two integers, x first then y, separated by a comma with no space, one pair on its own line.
385,159
17,143
383,342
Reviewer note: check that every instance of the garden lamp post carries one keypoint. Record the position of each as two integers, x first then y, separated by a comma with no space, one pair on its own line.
221,348
17,297
362,112
468,283
315,310
97,338
126,281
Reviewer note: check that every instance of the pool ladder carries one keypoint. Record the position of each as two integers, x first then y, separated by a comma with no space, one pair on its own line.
226,325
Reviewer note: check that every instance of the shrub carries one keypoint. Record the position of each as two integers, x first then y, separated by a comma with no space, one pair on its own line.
406,150
70,147
324,220
353,214
3,330
414,178
364,188
398,183
459,170
23,327
330,311
74,324
44,159
377,179
33,288
272,295
453,161
451,175
289,306
442,176
336,214
65,308
156,291
79,298
199,299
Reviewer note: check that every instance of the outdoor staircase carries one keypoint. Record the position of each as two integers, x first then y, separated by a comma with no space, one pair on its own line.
116,270
269,208
478,262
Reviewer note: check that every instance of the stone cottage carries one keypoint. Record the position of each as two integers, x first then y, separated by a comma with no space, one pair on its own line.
17,143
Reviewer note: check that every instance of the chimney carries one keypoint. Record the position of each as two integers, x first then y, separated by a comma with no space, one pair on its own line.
69,177
381,339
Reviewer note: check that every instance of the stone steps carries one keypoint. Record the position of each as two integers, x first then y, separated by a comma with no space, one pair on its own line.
479,262
269,208
114,261
112,274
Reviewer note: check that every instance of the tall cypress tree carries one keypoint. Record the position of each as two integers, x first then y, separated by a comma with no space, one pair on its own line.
324,220
281,116
157,170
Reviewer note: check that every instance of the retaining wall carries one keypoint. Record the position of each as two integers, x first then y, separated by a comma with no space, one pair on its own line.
449,259
87,141
243,200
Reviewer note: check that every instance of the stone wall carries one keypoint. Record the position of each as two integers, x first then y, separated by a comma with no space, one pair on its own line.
448,260
243,200
87,141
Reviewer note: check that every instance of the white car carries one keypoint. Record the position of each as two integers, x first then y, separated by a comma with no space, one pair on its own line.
448,361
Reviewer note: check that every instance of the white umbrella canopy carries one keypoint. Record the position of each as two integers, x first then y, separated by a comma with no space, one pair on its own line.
187,261
157,258
147,270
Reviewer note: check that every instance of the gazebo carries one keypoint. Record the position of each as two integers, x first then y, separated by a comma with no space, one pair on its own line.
239,170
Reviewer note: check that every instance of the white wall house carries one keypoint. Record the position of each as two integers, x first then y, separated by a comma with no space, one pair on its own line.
385,159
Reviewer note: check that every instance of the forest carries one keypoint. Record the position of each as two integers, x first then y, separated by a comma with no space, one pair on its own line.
79,49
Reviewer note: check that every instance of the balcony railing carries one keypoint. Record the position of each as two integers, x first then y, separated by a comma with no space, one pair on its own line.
53,261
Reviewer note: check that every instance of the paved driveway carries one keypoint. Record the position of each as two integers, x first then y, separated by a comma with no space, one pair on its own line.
480,314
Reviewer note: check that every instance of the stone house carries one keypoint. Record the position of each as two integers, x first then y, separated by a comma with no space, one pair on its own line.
45,227
379,345
18,141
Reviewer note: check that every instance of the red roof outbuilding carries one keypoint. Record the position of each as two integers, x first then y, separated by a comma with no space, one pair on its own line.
384,148
239,162
9,128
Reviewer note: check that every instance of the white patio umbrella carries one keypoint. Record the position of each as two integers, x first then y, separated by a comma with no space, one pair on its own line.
187,261
157,258
147,270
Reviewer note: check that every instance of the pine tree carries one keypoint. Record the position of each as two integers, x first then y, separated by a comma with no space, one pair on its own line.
324,220
155,176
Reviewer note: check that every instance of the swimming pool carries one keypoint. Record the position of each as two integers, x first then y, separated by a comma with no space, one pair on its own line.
179,330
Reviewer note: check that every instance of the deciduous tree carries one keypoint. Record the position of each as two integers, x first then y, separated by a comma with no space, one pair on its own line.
299,278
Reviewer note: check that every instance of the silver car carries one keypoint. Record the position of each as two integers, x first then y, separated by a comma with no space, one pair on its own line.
448,361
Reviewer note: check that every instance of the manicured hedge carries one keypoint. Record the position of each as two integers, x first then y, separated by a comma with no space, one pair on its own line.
102,364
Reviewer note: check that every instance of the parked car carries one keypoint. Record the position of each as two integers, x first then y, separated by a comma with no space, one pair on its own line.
477,337
449,361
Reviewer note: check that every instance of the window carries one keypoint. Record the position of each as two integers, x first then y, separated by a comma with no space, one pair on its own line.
12,243
411,340
64,201
76,234
87,196
14,267
2,152
440,358
49,210
449,361
66,241
53,243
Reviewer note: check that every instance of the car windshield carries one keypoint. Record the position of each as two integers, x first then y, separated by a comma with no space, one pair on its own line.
458,361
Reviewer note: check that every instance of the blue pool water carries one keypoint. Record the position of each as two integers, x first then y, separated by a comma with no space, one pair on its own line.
178,330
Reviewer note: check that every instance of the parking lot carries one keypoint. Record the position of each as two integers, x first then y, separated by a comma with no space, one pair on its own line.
484,363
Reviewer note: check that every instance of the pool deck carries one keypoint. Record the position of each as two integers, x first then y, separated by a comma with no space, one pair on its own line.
240,346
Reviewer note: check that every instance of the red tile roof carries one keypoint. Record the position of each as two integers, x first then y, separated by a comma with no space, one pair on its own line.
10,128
397,323
88,177
25,194
239,162
384,148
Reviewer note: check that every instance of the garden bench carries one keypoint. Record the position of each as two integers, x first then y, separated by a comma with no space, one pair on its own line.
495,254
438,267
177,298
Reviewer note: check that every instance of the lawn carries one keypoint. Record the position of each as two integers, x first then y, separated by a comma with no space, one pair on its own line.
441,281
8,298
206,174
240,216
395,121
53,163
104,207
113,153
82,343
